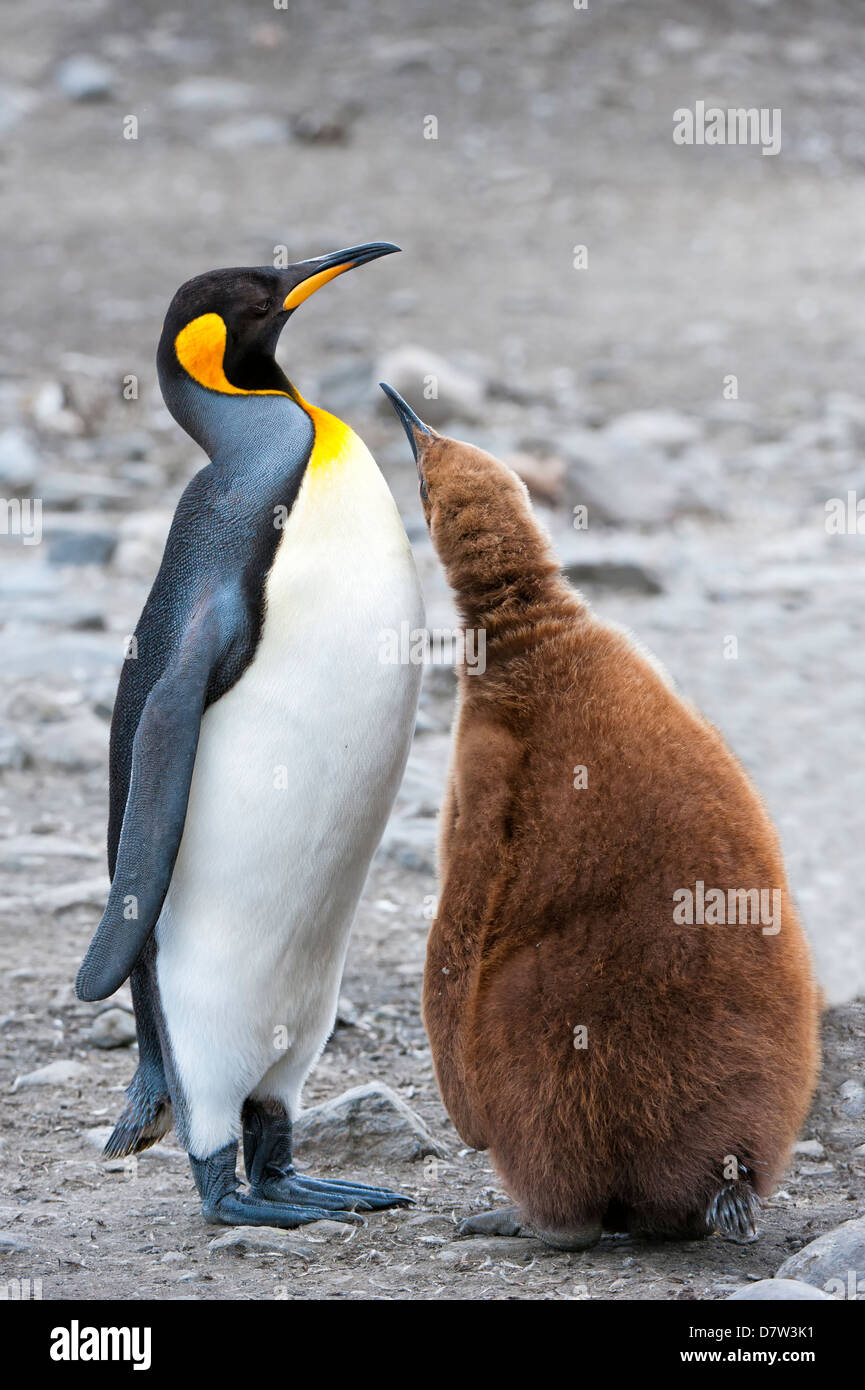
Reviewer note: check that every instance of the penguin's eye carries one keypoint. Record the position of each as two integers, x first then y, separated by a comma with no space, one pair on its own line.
262,306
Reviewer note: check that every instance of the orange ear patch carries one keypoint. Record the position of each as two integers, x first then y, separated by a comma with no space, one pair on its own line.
200,348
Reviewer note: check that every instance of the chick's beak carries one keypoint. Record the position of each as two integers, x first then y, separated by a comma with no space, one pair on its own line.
414,428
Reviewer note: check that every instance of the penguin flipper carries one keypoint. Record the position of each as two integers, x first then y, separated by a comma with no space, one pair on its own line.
163,756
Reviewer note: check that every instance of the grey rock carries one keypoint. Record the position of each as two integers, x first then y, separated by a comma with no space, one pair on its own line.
19,462
87,547
12,1245
613,574
210,94
321,128
260,1240
809,1148
368,1124
87,893
78,744
52,410
82,77
66,491
415,371
248,131
656,429
776,1291
113,1028
19,850
832,1256
59,1073
318,1231
624,482
853,1099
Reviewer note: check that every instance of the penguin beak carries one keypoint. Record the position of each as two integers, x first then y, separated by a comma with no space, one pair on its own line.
414,427
306,277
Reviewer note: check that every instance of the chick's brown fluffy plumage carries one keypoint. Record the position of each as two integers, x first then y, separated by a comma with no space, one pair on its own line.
556,905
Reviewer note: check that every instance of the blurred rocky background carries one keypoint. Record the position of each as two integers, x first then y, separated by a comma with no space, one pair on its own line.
666,335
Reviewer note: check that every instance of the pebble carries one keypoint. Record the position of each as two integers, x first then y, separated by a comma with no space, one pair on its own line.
853,1099
809,1148
260,1240
210,94
776,1291
12,1245
321,128
82,77
656,429
91,892
17,850
367,1125
830,1257
248,131
86,547
59,1073
78,744
626,483
624,576
113,1028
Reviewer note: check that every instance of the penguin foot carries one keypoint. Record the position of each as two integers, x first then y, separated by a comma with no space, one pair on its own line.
333,1196
267,1152
509,1221
504,1221
223,1205
242,1209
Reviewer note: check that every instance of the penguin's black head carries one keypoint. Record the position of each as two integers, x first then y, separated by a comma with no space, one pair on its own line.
222,328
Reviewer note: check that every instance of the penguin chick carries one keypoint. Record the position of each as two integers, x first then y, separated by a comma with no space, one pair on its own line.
627,1068
257,744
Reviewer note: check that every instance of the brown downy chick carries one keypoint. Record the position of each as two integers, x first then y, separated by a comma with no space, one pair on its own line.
631,1062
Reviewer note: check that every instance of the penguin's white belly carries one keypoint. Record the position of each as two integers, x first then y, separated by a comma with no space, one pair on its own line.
296,771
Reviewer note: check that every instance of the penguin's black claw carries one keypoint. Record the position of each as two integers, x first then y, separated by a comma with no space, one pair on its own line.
376,1198
242,1209
333,1196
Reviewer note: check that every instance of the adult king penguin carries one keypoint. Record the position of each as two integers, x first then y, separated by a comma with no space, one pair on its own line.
257,744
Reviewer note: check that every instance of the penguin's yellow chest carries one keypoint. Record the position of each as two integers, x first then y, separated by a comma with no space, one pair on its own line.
344,551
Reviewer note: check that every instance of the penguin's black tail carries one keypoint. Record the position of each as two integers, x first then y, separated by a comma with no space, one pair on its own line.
147,1118
734,1210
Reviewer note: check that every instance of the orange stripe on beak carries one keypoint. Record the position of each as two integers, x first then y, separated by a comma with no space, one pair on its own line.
308,287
